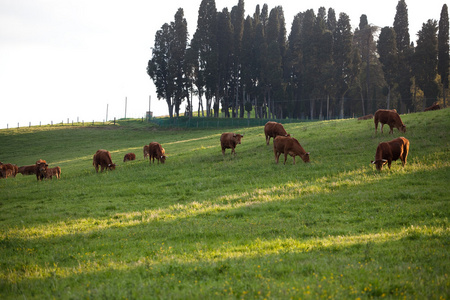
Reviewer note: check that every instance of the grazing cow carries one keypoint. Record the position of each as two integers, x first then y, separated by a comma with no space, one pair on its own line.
366,117
41,169
146,152
274,129
103,158
155,150
129,156
435,106
230,140
56,171
289,145
390,117
7,170
27,170
389,151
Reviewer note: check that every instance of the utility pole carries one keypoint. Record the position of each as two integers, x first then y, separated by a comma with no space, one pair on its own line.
107,112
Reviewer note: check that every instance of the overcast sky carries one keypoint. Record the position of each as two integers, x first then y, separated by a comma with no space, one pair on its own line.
70,59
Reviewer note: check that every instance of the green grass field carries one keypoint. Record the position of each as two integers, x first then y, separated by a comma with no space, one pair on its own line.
203,226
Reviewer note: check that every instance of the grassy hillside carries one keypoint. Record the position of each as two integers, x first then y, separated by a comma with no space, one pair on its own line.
207,226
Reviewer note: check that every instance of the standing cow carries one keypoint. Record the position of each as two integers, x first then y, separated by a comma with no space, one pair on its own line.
155,150
390,117
7,170
41,169
129,156
28,170
389,151
289,145
274,129
103,158
230,140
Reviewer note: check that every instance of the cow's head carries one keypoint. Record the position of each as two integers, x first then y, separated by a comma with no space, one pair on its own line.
162,159
238,137
111,166
305,157
379,163
402,128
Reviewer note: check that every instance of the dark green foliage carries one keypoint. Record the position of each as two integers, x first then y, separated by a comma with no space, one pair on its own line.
426,61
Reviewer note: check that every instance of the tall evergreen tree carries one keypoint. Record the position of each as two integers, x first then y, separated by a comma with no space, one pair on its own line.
158,68
237,21
177,61
167,66
443,50
401,27
225,60
367,48
387,51
425,62
205,41
342,56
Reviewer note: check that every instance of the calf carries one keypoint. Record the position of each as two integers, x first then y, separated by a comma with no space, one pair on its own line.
390,117
155,150
230,140
146,152
129,156
103,159
288,145
274,129
56,171
389,151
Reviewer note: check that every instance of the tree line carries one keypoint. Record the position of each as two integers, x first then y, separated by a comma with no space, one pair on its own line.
322,69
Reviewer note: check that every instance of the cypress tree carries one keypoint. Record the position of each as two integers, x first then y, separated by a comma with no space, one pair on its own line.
443,50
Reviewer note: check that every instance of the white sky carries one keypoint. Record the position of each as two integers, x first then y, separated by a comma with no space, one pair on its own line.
69,59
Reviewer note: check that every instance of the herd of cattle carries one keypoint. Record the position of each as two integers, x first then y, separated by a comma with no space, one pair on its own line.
386,152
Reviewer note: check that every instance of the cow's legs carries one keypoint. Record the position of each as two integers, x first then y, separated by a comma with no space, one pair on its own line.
285,157
294,159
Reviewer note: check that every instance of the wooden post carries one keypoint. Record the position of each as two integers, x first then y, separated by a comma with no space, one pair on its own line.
125,107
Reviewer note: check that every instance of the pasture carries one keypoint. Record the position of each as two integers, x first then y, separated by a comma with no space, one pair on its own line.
204,226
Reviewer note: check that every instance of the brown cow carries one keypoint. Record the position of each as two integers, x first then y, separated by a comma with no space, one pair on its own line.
103,158
390,117
274,129
146,152
7,170
366,117
389,151
56,171
230,140
28,170
289,145
41,169
155,150
435,106
129,156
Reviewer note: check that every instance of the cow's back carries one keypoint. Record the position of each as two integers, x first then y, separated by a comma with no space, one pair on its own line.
103,157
